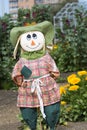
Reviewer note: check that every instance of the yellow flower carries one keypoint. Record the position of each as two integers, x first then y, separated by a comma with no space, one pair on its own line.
62,90
74,80
73,88
86,78
71,76
29,24
80,73
63,103
55,47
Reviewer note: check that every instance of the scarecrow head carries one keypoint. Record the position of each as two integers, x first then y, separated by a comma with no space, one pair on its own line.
33,40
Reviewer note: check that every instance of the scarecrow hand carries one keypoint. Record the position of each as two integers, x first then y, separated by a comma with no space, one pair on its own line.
18,80
55,75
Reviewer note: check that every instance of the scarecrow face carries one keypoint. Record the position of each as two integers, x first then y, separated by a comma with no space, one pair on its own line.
32,41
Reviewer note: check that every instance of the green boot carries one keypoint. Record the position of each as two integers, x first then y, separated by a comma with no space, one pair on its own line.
52,129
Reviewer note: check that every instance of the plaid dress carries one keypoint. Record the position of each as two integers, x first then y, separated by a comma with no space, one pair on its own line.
40,67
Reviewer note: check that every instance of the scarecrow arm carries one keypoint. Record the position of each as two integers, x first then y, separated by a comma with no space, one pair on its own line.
17,77
55,75
52,67
18,80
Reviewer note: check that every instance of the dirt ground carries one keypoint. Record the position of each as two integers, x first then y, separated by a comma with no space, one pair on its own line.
9,113
8,110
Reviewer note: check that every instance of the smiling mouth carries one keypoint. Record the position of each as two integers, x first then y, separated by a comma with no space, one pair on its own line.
33,47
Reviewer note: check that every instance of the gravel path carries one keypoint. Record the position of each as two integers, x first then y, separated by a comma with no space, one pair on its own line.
9,113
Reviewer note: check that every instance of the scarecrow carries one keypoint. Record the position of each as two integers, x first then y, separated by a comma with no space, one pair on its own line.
35,73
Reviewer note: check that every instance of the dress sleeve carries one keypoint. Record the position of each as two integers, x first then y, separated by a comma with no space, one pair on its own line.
51,64
16,71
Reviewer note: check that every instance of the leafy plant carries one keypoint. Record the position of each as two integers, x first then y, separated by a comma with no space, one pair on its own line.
74,97
5,52
72,45
38,13
41,13
24,16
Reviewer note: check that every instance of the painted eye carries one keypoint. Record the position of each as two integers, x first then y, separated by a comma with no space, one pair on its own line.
34,36
28,37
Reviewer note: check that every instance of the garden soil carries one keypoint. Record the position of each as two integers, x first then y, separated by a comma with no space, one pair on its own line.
9,114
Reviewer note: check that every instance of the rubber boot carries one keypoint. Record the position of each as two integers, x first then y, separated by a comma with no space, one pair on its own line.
52,129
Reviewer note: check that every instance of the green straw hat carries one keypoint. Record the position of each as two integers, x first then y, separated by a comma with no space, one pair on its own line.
45,27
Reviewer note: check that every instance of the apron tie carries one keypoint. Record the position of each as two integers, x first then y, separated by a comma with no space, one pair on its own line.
36,83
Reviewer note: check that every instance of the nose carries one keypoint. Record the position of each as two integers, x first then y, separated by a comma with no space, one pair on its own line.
32,43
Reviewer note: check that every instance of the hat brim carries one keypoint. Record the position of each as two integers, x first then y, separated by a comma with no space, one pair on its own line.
45,27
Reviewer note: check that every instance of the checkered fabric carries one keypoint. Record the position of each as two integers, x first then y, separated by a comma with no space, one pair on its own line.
50,89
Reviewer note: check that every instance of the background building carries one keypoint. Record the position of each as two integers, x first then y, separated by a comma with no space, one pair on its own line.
26,3
13,8
48,1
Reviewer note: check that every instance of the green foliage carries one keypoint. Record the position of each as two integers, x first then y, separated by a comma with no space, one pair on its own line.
61,79
5,52
71,54
24,15
37,14
41,13
74,97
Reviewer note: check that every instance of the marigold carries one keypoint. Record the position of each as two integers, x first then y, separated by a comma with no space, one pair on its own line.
63,103
86,78
74,80
80,73
73,88
55,47
71,76
62,90
29,24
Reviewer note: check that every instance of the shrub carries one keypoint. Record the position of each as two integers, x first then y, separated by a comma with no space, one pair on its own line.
41,13
5,52
24,16
37,14
74,98
71,54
